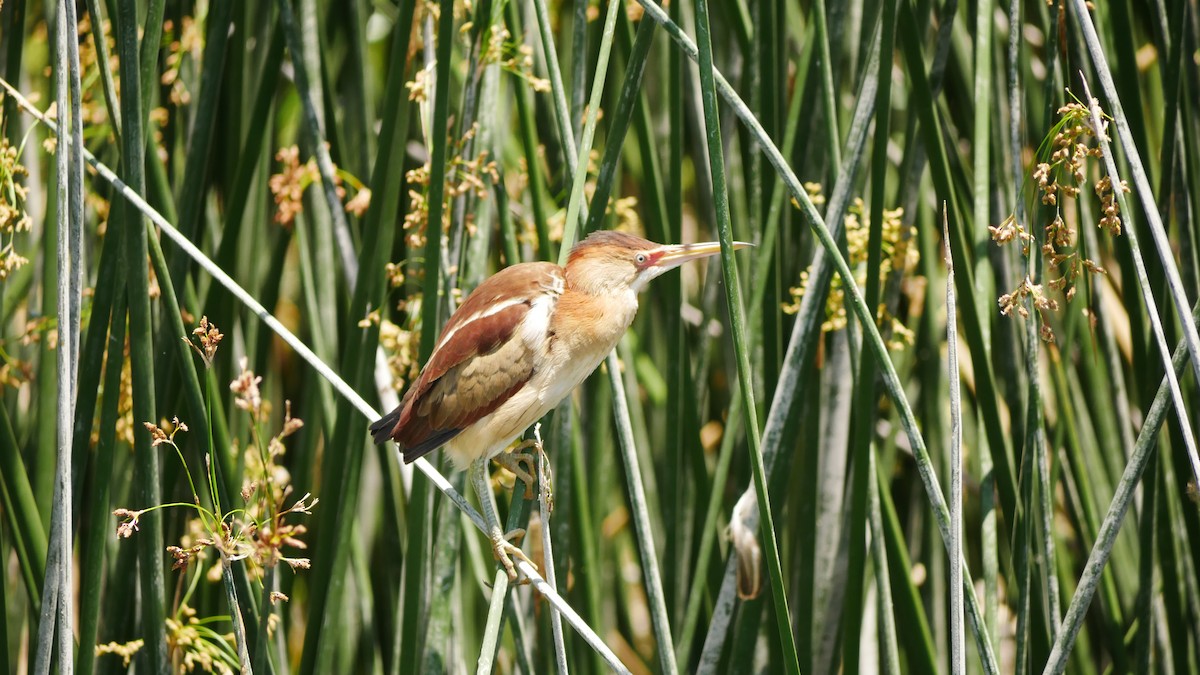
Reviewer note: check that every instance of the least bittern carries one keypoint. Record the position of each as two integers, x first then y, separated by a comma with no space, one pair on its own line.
516,347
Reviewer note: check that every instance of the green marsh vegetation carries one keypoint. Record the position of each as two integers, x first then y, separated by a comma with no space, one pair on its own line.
940,419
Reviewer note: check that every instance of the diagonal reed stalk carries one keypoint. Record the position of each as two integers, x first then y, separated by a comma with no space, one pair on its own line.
1043,458
958,652
1158,233
322,369
858,304
733,290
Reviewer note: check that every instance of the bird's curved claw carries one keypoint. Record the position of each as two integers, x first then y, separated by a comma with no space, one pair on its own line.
521,465
503,549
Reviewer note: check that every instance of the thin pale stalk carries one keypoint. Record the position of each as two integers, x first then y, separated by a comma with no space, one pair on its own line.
865,397
958,652
141,341
544,507
1046,511
883,584
57,606
990,583
313,126
733,297
858,305
322,369
576,210
641,522
1106,538
562,117
922,656
235,615
1157,231
722,620
493,624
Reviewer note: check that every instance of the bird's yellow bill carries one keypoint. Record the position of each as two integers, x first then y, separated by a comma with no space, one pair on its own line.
677,254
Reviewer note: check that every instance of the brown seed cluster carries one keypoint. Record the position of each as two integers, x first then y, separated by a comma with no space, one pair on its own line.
125,650
512,56
260,531
197,647
288,186
899,257
1072,147
207,339
183,50
13,216
464,175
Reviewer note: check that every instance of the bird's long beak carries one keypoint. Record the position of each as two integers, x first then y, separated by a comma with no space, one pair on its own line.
672,256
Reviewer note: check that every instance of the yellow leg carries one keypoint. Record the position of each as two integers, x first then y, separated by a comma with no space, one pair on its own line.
502,546
521,464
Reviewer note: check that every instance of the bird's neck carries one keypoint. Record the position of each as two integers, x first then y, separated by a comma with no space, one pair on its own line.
601,315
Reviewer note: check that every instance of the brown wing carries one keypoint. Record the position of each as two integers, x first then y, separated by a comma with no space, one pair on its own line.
479,362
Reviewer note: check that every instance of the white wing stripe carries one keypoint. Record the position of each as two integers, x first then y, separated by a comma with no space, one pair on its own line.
490,311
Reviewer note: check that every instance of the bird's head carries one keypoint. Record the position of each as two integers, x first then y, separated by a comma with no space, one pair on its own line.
608,262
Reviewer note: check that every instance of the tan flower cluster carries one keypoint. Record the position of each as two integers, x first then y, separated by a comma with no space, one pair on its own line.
1009,230
272,535
160,436
259,531
1111,220
209,338
129,521
418,88
401,347
513,57
1066,172
899,256
360,202
246,393
184,556
198,647
395,274
125,650
13,216
93,111
288,186
189,43
463,176
1062,177
1042,303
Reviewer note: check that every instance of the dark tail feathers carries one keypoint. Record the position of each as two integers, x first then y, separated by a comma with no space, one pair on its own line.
382,429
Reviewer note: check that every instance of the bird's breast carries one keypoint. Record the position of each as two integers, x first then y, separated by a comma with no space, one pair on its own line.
568,336
581,332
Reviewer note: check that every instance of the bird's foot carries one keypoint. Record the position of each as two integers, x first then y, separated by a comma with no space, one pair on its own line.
521,465
504,548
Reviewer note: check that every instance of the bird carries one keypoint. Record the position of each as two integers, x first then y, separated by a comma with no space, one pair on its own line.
517,346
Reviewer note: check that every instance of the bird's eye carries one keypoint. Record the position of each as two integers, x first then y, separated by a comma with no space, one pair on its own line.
640,258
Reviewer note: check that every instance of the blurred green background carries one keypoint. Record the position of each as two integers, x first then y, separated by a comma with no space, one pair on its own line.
307,146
